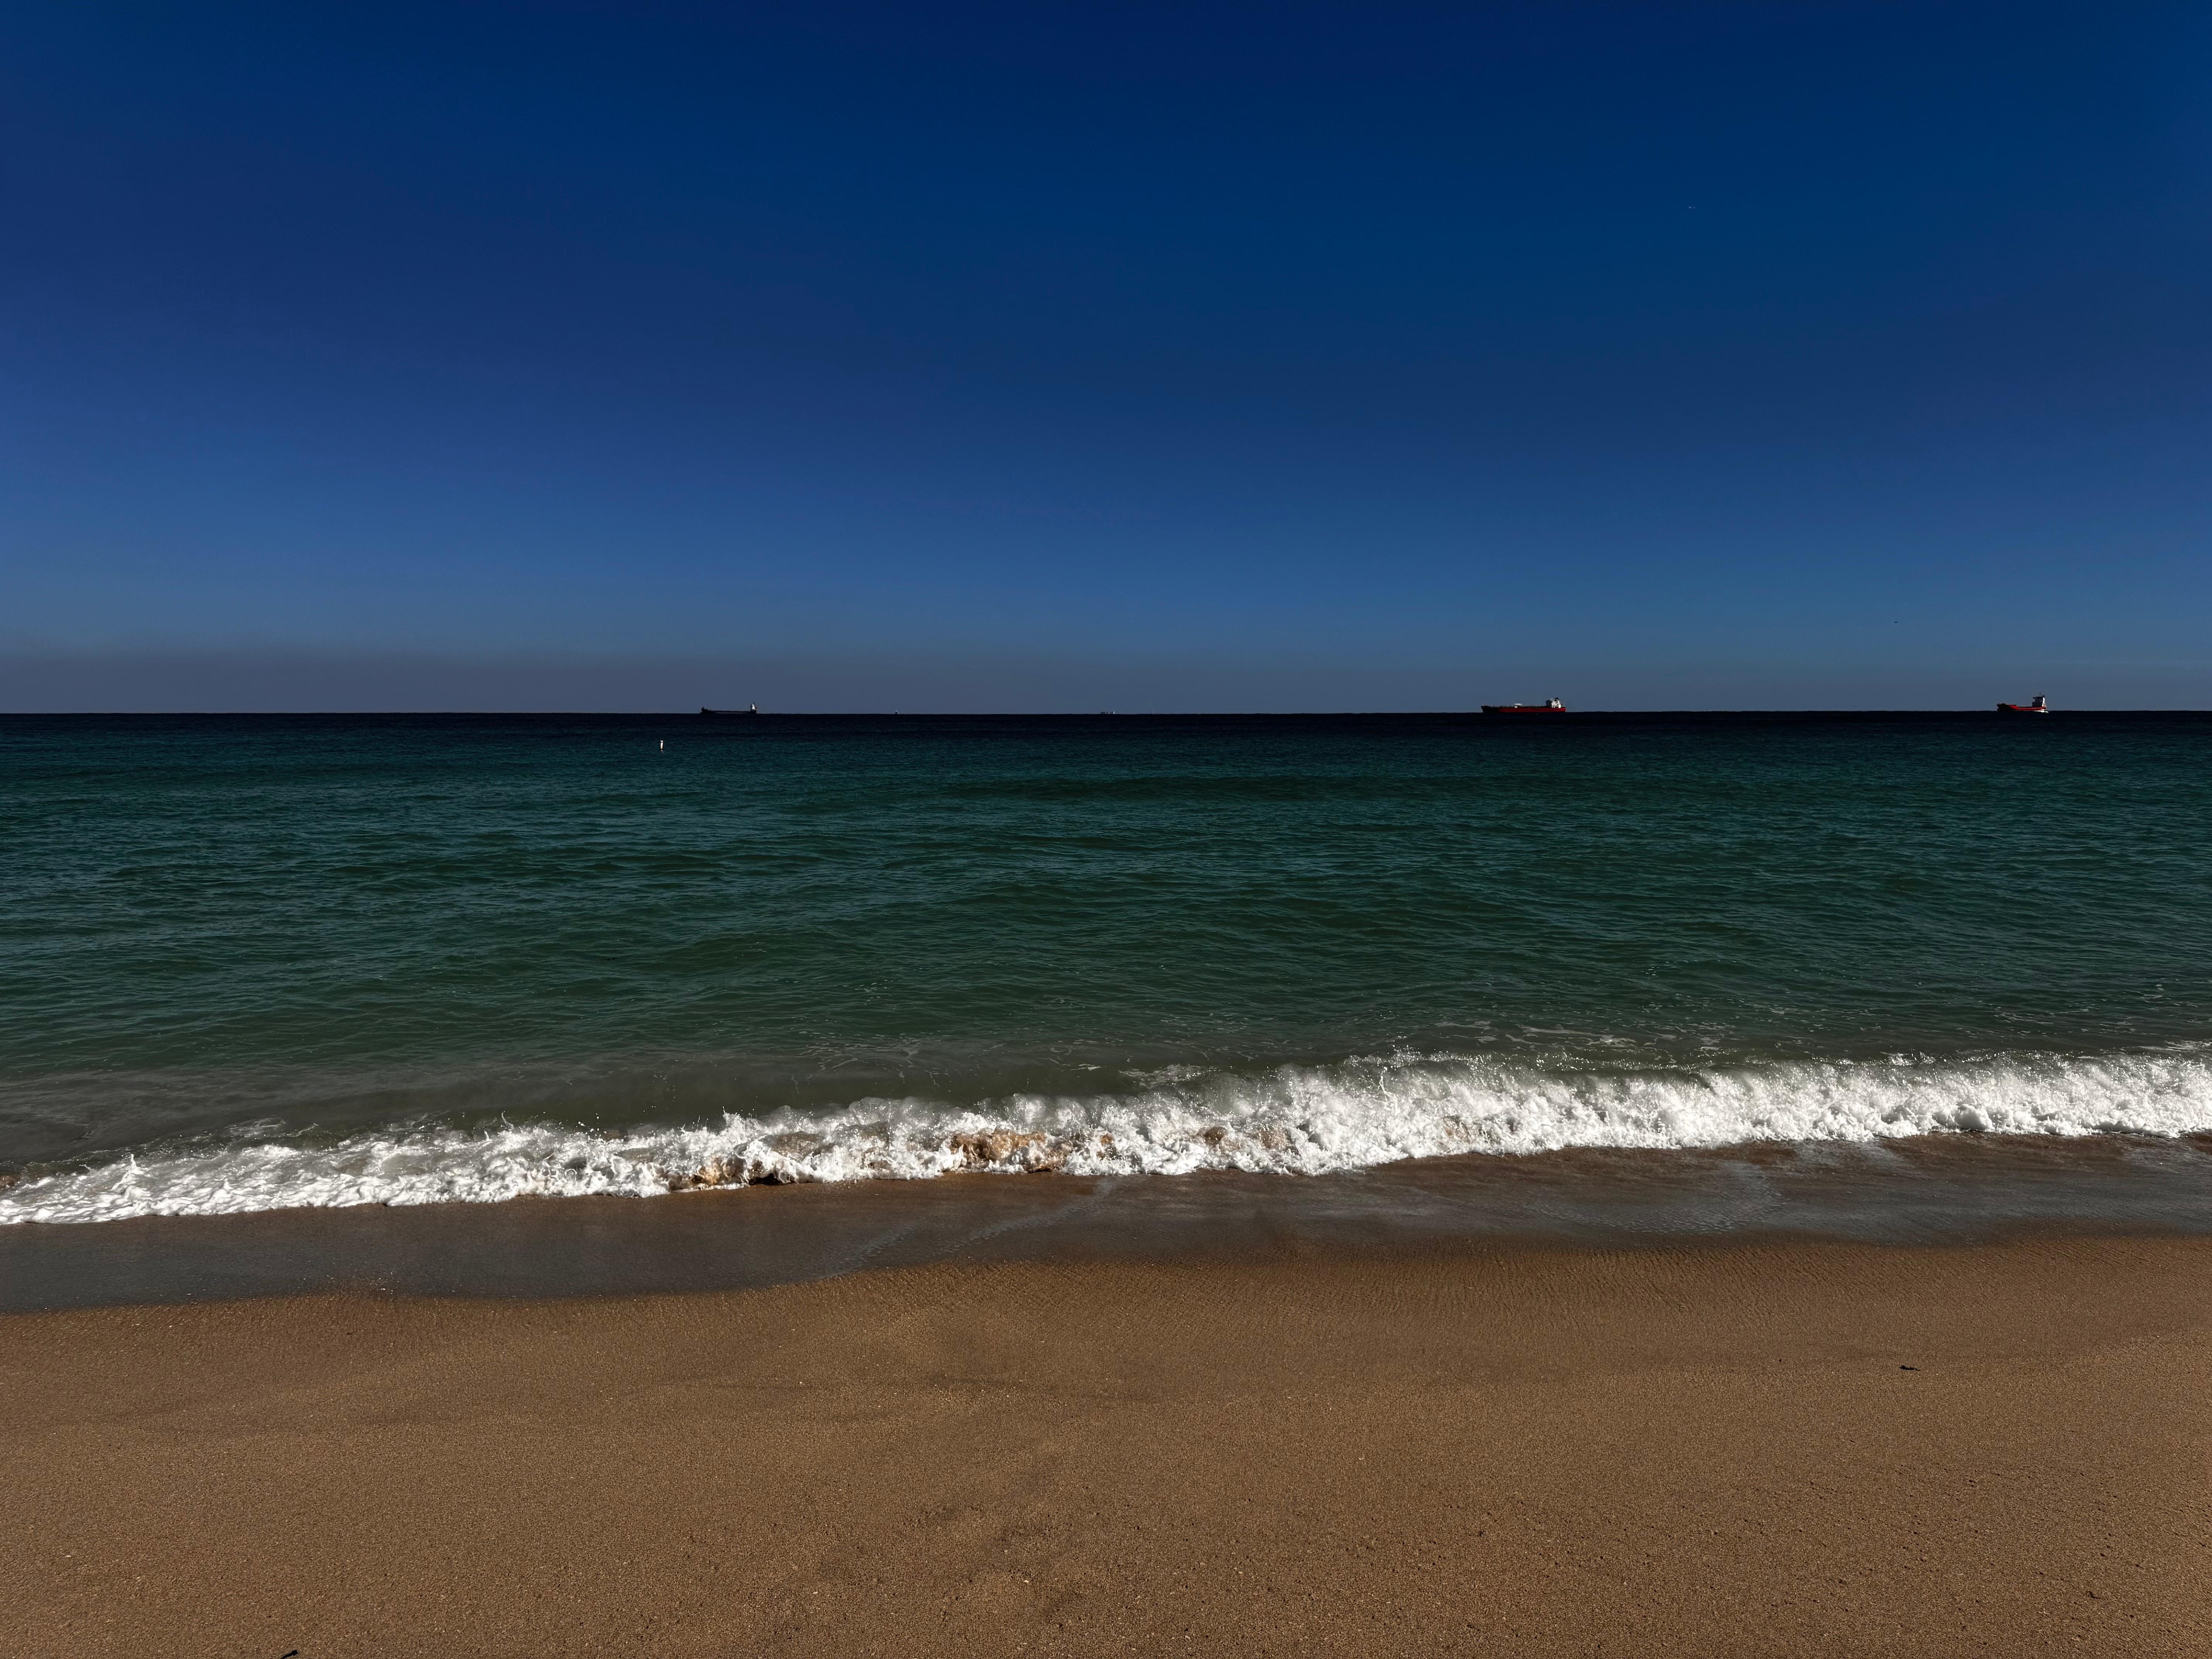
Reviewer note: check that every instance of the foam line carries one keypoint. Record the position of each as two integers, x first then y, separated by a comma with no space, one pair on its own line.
1291,1121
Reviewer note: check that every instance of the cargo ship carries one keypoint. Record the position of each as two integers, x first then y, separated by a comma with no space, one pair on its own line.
1549,706
738,712
2038,706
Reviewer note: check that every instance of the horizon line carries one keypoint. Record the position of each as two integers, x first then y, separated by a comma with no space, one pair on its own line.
1538,717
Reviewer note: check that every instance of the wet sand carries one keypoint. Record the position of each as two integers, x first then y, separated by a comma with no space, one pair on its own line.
1813,1448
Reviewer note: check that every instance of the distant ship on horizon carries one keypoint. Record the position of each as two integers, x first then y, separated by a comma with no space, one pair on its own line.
1549,706
2036,706
739,714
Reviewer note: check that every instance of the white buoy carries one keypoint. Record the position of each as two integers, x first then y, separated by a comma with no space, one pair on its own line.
664,743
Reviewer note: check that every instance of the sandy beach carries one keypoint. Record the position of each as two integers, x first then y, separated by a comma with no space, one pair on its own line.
1756,1449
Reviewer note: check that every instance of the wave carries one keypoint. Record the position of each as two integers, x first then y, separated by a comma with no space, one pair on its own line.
1302,1120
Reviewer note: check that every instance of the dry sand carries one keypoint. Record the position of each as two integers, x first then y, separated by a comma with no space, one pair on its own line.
1715,1452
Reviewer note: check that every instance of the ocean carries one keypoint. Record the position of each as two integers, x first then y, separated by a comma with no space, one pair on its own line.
269,963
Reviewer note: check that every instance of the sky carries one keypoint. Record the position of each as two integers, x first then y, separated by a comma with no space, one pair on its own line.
849,356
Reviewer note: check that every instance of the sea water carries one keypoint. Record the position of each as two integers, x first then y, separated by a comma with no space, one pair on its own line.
262,963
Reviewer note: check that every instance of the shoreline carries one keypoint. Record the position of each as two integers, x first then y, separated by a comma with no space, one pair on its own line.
1338,1118
1768,1448
1940,1189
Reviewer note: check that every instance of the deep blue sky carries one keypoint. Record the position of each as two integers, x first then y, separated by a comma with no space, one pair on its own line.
1032,356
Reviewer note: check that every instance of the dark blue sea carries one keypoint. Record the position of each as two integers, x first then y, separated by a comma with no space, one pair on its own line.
260,962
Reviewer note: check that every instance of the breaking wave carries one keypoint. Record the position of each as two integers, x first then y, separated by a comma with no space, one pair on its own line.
1291,1121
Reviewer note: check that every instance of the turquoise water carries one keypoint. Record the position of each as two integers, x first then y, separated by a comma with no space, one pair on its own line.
259,961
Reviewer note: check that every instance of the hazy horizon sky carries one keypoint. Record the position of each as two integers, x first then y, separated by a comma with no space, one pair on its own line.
1201,356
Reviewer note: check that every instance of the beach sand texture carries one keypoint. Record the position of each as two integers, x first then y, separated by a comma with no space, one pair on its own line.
1710,1452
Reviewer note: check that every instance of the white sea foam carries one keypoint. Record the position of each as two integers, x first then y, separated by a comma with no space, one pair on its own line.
1292,1121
